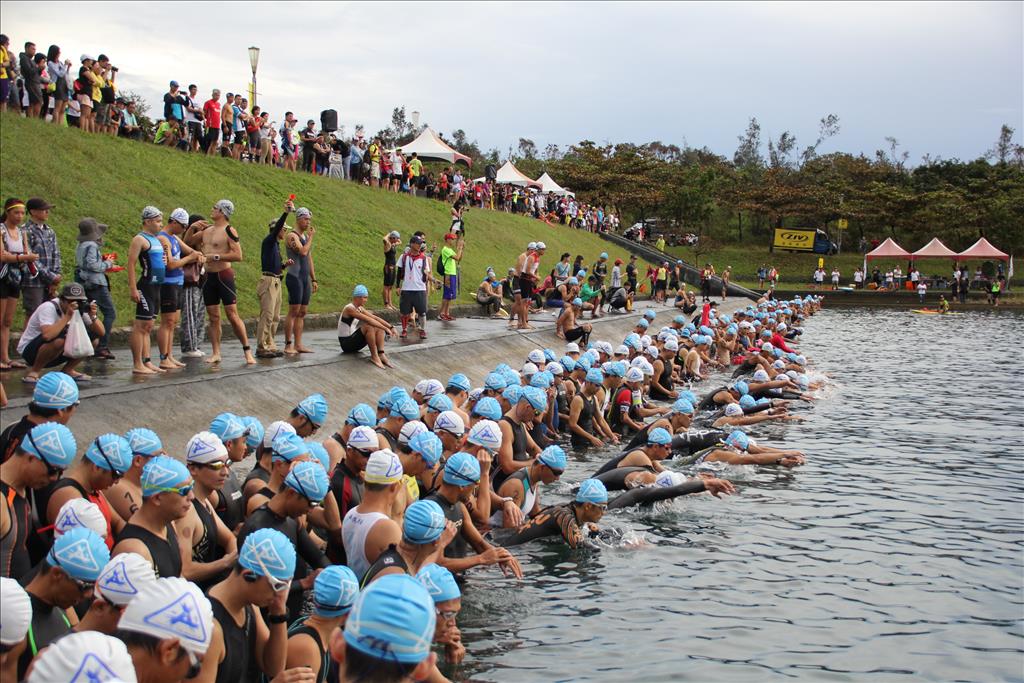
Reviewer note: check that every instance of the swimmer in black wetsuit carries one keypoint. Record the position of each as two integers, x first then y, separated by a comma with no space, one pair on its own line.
658,447
670,485
574,522
586,423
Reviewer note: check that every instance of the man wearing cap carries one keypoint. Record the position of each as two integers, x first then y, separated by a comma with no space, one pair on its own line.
42,341
178,255
574,521
44,275
300,279
457,390
54,399
269,288
367,529
347,480
120,582
517,446
415,275
460,477
401,412
221,248
86,655
649,456
334,592
522,487
286,449
147,252
64,579
425,533
447,596
391,242
125,496
450,259
209,548
166,497
586,421
38,461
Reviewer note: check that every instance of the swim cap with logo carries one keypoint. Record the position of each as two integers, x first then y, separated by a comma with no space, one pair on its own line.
55,390
682,407
495,381
253,431
274,430
429,387
268,551
363,439
742,387
144,442
529,369
459,381
536,357
123,577
542,380
439,403
160,473
592,491
383,467
110,452
554,457
595,376
512,394
51,442
313,408
205,447
80,513
319,454
451,422
733,410
409,430
439,582
81,657
462,469
668,478
429,446
486,434
172,607
537,399
488,407
81,553
738,439
424,522
747,401
405,408
17,612
309,480
761,375
227,426
334,591
659,437
361,415
393,620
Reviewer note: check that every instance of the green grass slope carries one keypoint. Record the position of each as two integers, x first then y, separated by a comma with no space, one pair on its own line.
112,180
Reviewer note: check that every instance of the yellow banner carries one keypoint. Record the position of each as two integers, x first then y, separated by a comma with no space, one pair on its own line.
798,240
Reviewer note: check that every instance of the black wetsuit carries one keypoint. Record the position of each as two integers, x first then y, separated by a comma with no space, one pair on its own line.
300,628
206,549
708,402
392,439
615,479
647,495
554,520
347,488
386,560
166,554
239,662
615,412
256,472
585,422
454,512
519,452
614,462
14,562
665,380
48,623
229,503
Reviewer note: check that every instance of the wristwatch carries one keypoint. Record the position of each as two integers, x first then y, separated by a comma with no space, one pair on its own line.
278,618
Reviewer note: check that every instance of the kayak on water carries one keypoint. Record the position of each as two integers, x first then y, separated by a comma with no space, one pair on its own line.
933,311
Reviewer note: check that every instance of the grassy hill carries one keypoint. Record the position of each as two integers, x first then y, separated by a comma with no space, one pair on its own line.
112,180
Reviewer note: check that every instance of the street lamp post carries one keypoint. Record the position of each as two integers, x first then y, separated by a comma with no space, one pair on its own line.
254,59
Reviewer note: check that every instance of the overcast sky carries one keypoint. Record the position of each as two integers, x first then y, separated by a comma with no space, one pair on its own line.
939,77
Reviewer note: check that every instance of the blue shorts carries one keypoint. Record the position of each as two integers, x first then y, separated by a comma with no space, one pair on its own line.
451,287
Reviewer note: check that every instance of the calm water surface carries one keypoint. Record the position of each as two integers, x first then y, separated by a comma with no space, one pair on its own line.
896,553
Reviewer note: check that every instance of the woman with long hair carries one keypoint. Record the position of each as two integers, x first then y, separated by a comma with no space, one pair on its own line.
58,72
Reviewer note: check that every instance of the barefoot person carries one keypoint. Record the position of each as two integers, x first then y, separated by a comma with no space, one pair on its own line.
222,248
300,280
391,242
179,255
359,328
147,252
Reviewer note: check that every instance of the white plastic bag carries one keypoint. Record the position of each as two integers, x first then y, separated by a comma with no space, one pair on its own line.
77,344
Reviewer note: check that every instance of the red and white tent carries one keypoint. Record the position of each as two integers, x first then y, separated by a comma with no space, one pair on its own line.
508,174
429,145
934,249
982,249
887,249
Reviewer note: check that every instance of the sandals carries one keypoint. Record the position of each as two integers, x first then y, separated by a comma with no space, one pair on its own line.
80,376
27,379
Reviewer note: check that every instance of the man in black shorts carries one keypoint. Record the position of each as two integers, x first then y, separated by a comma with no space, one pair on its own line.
147,252
221,247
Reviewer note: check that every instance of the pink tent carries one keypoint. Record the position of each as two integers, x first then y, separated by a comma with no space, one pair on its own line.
887,249
982,249
934,249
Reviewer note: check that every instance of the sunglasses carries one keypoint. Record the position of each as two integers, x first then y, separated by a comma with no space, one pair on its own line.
538,413
313,426
555,472
180,490
83,586
215,466
312,502
51,470
114,474
447,615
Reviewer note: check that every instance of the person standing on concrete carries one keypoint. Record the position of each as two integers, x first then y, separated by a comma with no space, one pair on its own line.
301,280
269,288
221,247
44,274
147,252
450,259
414,273
193,308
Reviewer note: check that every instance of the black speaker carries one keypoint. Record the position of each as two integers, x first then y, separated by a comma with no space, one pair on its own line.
329,120
490,172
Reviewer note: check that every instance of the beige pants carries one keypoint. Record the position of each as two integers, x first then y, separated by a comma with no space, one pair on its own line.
269,292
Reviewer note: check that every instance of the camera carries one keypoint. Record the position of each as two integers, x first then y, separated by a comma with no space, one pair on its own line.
114,69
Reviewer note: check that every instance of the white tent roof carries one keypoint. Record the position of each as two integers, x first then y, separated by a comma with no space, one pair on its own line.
511,175
429,145
548,184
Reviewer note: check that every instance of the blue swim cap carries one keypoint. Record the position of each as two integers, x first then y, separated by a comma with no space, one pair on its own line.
536,397
360,290
55,390
682,406
406,408
742,387
268,552
51,442
732,329
747,401
572,281
160,473
511,377
227,426
581,274
650,314
595,376
691,328
362,415
550,356
659,437
439,582
110,452
578,302
643,324
489,408
512,394
679,320
335,589
554,457
705,330
287,446
604,254
253,431
424,522
542,380
439,403
462,469
495,381
584,363
80,552
313,408
393,620
308,479
618,368
144,442
689,396
592,491
738,439
460,382
320,454
567,363
429,446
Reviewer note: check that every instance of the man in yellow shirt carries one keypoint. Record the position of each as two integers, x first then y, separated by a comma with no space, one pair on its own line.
415,171
374,153
5,64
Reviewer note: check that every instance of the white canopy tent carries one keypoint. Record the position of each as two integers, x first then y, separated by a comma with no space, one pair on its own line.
429,145
549,186
508,174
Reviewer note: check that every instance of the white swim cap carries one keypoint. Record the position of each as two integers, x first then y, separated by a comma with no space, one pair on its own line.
123,577
171,608
84,656
733,410
79,512
668,478
17,612
274,429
